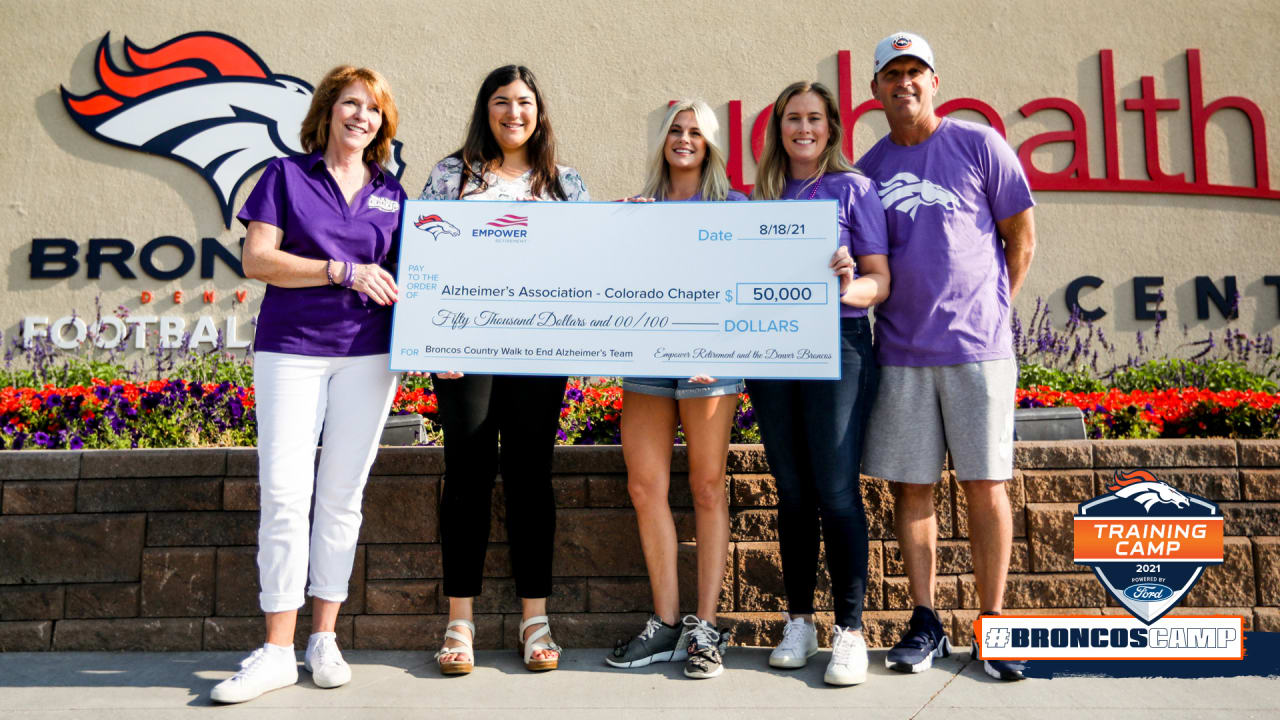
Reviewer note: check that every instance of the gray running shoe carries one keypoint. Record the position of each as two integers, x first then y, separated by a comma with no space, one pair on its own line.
706,648
657,642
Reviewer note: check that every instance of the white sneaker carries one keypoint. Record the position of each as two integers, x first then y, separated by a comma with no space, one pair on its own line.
848,664
268,668
799,643
324,661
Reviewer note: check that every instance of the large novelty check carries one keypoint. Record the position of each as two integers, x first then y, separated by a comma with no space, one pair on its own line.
731,289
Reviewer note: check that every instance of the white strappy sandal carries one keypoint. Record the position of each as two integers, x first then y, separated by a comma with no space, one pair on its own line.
458,667
528,648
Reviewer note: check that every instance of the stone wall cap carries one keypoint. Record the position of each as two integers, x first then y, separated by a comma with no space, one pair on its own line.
582,459
407,460
164,462
39,464
1056,454
1259,453
242,462
1192,452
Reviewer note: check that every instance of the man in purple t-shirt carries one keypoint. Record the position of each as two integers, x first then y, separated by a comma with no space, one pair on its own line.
961,237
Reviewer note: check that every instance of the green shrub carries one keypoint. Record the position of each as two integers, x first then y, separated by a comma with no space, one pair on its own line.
1178,373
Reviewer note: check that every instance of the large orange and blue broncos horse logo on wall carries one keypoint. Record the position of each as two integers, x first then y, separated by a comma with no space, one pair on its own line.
203,99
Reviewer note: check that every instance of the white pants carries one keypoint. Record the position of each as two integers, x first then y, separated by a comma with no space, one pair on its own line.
295,396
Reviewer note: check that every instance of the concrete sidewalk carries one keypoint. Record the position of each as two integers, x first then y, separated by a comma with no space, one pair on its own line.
389,685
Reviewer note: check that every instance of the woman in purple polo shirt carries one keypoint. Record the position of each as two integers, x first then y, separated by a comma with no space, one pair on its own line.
812,429
322,233
509,154
687,166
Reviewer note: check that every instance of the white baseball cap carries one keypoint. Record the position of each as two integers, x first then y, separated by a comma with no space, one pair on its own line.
899,44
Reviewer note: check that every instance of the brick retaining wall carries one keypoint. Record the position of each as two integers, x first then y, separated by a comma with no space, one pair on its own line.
154,549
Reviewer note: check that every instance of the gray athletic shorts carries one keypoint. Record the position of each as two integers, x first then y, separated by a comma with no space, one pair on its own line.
921,412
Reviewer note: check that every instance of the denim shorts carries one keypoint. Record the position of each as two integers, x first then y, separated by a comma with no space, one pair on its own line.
681,388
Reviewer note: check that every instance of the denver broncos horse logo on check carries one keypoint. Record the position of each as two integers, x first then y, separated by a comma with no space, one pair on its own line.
905,192
203,99
435,225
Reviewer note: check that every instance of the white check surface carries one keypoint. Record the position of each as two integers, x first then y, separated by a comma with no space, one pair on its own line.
733,289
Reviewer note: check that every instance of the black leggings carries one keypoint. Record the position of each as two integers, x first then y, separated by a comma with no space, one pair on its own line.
812,432
474,411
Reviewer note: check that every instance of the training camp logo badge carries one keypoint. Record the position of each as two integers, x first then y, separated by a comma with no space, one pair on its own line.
436,225
1147,542
203,99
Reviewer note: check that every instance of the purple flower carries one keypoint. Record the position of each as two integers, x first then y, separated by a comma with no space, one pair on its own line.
196,390
41,438
19,440
573,395
75,443
102,392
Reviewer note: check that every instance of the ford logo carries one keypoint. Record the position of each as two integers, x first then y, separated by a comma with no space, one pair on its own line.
1148,592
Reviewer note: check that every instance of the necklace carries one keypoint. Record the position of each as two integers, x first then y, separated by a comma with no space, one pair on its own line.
502,171
813,192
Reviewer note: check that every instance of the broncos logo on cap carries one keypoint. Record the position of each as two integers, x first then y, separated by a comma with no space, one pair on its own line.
203,99
902,42
906,193
435,225
1143,488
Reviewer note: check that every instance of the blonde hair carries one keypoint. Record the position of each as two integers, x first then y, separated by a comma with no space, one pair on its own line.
315,126
715,181
771,173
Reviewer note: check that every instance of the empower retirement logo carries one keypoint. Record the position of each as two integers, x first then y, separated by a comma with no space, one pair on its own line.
1148,543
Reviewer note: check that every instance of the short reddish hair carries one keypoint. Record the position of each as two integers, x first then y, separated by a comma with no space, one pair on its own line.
315,126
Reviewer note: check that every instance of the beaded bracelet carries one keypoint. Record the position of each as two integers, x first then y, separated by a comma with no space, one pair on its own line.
328,271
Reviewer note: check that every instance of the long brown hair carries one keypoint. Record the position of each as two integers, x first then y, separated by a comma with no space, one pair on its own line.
480,151
315,126
771,173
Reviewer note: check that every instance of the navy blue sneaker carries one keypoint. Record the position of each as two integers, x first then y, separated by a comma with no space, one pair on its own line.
1007,670
923,641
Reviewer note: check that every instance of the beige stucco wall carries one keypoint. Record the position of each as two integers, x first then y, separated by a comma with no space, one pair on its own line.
608,70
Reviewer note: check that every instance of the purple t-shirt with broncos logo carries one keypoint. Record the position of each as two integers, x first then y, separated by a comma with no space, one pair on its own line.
949,302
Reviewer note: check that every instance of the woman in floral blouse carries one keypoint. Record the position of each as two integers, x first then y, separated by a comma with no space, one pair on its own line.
509,154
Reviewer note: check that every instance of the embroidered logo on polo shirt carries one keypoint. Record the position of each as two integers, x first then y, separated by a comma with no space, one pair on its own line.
203,99
905,193
383,204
